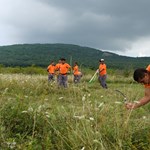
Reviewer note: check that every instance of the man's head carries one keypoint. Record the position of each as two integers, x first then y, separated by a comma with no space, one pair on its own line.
141,76
101,61
63,60
75,63
52,63
59,61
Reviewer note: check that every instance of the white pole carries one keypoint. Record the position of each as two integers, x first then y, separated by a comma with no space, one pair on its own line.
93,76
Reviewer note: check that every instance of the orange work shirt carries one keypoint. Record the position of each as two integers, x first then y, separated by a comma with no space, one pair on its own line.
147,85
51,69
76,70
57,66
102,69
63,68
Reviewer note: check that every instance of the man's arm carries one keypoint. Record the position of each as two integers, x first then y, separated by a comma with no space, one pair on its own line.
142,101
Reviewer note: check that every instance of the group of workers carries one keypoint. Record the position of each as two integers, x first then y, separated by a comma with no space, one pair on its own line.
141,75
61,70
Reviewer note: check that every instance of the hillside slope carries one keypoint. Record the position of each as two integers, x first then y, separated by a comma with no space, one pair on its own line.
42,54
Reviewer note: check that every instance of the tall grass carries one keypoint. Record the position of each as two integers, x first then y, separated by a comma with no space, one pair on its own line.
35,114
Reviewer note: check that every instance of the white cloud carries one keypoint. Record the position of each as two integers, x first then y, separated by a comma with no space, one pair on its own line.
140,47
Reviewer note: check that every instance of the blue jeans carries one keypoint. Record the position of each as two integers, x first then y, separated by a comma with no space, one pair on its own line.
50,77
77,78
102,80
63,80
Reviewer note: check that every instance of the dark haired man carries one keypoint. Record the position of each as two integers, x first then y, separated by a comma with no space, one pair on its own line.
102,73
63,70
141,76
77,74
51,71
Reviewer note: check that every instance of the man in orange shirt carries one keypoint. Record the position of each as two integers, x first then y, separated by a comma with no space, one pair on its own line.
57,68
102,73
77,73
141,76
51,71
63,70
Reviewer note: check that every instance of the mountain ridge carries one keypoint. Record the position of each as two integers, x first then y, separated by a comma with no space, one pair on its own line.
41,55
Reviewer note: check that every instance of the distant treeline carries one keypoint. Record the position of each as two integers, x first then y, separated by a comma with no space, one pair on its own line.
41,54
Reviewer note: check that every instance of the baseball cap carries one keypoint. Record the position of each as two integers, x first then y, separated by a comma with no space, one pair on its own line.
101,60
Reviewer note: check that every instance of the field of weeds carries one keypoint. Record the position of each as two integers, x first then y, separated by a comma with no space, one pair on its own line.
37,115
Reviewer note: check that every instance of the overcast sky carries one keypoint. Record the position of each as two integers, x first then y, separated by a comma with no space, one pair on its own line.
119,26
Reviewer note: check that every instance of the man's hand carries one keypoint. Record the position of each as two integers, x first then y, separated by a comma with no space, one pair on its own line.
130,105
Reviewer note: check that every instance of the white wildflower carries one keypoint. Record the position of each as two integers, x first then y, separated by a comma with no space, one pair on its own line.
83,98
96,141
30,109
92,119
61,97
26,96
47,113
24,112
102,96
118,102
144,117
101,104
47,116
89,95
125,98
79,117
39,108
83,148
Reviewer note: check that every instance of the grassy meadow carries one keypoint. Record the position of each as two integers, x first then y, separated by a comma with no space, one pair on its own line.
37,115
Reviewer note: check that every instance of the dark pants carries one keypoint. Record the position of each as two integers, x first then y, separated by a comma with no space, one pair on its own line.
77,78
63,80
102,80
50,77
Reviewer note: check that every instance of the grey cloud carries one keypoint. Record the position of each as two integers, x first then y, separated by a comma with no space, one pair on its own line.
103,24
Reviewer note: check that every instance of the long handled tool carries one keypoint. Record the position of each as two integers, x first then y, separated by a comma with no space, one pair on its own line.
93,76
125,98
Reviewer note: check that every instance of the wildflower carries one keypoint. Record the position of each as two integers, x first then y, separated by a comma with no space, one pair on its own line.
102,96
89,95
11,145
118,102
60,97
79,117
24,112
47,113
101,104
83,98
83,148
30,109
92,119
96,141
47,116
144,117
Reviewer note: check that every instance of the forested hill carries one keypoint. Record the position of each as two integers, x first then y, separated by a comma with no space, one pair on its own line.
42,54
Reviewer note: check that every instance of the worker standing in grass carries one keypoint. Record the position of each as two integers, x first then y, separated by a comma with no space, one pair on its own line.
142,76
63,70
57,68
51,71
102,73
77,74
